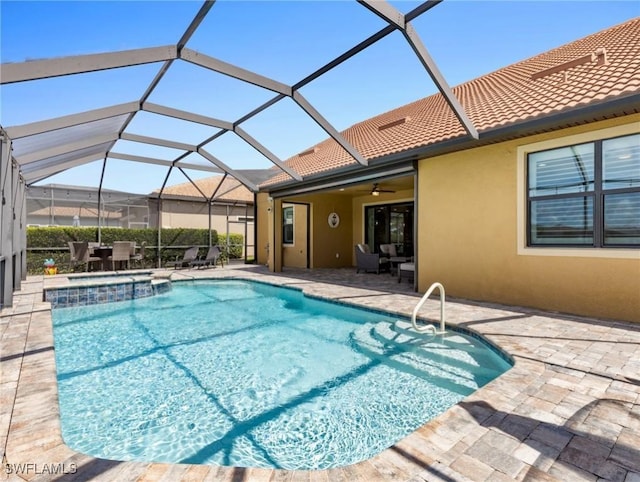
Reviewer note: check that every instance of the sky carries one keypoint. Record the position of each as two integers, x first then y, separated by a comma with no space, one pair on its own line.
285,41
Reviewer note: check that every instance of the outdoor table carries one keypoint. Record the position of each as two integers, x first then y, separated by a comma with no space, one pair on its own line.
103,252
395,261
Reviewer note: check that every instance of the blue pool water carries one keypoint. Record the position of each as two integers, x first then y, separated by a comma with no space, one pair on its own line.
246,374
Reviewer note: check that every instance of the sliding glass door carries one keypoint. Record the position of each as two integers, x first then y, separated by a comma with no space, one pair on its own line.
390,224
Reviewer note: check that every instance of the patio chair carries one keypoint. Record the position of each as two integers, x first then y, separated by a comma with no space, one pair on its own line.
189,256
121,253
368,261
389,251
211,259
79,255
138,258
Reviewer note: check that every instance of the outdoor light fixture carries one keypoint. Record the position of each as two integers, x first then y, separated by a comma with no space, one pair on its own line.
375,193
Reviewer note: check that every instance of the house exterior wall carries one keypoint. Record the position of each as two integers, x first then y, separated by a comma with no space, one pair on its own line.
295,255
471,229
263,222
330,247
185,214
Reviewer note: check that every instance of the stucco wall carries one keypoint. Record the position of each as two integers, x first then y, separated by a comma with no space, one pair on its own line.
468,238
295,255
262,227
330,247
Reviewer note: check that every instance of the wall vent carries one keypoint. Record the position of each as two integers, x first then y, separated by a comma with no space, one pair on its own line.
599,57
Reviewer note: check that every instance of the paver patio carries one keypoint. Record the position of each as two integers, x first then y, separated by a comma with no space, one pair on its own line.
568,410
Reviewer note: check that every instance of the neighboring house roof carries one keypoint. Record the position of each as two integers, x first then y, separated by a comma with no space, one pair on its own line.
603,66
68,211
231,190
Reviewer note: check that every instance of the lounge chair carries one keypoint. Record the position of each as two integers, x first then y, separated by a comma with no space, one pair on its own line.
368,261
211,259
189,256
79,255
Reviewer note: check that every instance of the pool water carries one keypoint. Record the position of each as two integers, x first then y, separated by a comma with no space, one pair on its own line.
246,374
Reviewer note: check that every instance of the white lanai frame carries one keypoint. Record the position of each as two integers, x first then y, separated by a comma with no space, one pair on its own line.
65,150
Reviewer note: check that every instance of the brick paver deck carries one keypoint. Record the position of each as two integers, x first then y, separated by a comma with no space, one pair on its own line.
568,410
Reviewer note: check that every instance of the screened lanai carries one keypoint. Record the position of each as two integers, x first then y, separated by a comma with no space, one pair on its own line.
168,92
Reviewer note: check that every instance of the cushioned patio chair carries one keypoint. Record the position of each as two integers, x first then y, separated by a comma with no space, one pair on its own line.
189,256
79,255
211,259
368,261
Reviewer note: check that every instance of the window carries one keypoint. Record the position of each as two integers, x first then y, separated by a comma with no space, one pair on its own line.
287,225
585,194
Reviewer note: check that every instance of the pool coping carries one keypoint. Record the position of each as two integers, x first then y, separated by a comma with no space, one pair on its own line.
532,422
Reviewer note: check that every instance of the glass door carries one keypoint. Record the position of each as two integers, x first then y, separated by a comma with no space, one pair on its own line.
390,224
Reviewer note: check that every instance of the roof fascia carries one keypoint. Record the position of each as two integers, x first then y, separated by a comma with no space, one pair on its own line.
80,64
40,127
349,175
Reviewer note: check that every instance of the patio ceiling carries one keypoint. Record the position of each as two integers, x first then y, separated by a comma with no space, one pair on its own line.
48,147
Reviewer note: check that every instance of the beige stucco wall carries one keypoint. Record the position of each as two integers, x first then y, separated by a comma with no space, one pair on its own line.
295,255
262,223
469,237
329,247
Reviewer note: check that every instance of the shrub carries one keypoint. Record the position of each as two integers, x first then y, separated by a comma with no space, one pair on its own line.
236,245
52,242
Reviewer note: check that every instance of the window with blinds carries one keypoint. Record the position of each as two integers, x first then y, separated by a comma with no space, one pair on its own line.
585,195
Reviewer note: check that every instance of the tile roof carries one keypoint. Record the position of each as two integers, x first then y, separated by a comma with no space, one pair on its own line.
82,212
602,66
231,190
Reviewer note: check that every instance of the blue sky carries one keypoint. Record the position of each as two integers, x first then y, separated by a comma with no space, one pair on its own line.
282,40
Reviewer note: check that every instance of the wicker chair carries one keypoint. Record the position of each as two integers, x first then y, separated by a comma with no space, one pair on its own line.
368,261
121,253
80,256
137,258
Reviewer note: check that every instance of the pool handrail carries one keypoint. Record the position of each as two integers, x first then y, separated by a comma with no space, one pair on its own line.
442,310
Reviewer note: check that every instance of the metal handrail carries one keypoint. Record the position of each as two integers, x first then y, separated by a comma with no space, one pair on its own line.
422,301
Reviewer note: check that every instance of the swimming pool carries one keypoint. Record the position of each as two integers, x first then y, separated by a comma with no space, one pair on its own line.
246,374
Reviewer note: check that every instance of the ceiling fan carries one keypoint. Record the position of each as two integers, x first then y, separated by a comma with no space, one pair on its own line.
375,190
